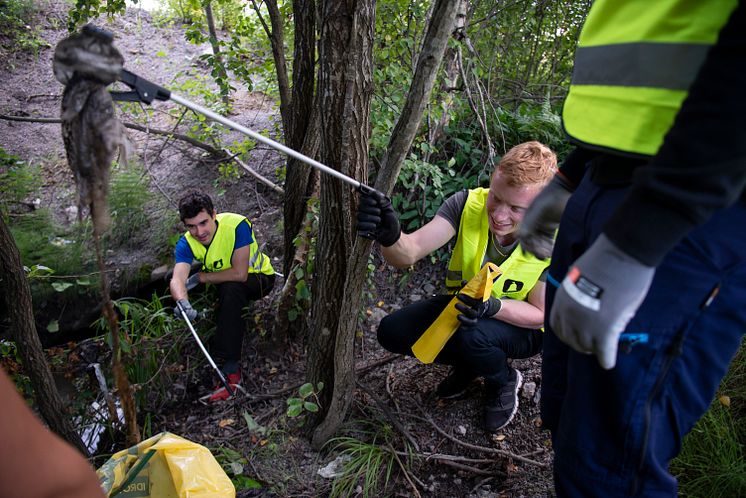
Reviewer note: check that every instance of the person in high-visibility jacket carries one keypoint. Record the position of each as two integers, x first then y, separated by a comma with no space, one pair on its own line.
508,324
645,307
226,246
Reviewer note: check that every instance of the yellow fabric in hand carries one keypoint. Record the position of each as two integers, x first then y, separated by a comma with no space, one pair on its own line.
435,337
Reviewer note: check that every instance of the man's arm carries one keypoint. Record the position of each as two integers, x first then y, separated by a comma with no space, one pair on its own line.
529,313
701,166
238,272
34,462
178,281
411,247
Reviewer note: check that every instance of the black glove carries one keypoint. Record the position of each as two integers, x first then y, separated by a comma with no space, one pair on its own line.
190,312
472,309
542,218
376,218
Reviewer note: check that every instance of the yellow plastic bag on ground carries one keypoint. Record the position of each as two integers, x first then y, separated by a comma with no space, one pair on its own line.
165,466
435,337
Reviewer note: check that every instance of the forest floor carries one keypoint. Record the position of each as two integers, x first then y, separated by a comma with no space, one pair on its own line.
449,453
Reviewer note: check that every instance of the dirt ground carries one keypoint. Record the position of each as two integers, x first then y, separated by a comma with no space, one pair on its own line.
451,454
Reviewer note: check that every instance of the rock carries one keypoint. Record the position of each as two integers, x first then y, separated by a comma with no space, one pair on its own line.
529,390
377,314
429,288
415,297
334,468
461,430
159,273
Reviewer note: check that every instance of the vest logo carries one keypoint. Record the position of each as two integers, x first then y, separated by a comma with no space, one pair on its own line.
512,286
218,264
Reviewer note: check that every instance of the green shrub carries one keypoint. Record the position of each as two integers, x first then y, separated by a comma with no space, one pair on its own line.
712,461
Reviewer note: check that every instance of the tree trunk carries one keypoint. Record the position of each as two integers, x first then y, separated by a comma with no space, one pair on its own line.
219,67
345,89
343,373
17,301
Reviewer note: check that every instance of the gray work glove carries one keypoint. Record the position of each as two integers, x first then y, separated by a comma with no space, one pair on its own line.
192,282
376,218
598,298
539,224
472,309
190,312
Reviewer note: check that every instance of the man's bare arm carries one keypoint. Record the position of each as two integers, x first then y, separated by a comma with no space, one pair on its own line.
411,247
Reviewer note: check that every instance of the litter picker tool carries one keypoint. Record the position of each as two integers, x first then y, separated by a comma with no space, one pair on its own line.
230,390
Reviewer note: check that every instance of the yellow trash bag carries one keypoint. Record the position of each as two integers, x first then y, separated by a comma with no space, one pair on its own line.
165,466
435,337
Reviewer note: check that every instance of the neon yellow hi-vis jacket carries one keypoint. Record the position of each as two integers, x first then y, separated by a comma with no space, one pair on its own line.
520,271
634,64
217,256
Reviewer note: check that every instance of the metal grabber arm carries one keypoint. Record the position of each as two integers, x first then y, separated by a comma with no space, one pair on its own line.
147,91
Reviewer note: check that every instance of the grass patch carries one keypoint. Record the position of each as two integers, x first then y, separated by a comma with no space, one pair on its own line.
712,461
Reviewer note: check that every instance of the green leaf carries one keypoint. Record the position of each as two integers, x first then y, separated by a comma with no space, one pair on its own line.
294,410
83,281
306,390
294,401
319,387
311,407
53,326
243,482
292,314
61,286
253,425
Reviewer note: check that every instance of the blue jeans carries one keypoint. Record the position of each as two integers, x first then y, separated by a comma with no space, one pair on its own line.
615,431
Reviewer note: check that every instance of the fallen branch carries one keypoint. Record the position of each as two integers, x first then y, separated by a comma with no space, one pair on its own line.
256,175
191,141
483,449
221,153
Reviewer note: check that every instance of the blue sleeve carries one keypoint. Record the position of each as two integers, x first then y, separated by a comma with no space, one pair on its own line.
183,253
244,236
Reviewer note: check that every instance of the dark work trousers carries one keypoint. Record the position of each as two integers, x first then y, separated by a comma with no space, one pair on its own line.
482,351
615,431
230,325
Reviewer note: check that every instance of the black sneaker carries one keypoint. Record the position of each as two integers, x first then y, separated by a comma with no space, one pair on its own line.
455,384
501,403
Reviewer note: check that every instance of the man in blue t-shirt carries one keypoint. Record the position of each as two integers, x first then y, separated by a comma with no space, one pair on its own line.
225,246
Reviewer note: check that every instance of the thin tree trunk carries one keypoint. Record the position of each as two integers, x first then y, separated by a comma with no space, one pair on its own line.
16,295
215,43
277,42
443,20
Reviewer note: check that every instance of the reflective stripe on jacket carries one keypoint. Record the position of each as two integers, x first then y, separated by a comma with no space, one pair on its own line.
634,64
218,255
520,271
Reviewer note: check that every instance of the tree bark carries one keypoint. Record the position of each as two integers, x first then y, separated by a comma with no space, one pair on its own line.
343,373
345,89
16,295
300,132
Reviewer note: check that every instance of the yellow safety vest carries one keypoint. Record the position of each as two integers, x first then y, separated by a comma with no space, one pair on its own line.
520,271
218,255
634,64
